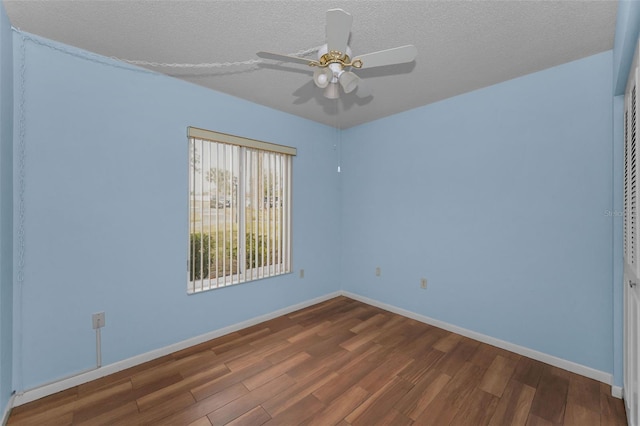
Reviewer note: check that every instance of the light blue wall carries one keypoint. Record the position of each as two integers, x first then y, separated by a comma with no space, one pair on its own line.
6,208
498,198
106,211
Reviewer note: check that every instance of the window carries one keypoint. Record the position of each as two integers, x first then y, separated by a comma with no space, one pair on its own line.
239,210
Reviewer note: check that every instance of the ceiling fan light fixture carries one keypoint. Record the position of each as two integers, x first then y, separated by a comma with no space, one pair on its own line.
331,91
322,77
348,81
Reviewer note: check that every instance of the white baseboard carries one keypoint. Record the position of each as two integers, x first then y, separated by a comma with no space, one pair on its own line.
616,391
573,367
87,376
7,410
49,389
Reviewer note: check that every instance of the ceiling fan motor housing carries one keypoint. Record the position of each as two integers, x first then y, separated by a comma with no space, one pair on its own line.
331,66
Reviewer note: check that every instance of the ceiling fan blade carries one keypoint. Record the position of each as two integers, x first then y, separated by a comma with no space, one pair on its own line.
397,55
338,29
284,58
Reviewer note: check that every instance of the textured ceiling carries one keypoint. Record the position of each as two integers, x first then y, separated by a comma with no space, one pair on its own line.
462,45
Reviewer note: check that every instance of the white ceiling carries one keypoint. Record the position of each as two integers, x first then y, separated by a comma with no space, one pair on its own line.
462,45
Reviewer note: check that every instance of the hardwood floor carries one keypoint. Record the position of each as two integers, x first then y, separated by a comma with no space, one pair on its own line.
339,362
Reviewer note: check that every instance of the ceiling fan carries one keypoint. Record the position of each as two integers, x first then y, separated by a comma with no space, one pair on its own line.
335,58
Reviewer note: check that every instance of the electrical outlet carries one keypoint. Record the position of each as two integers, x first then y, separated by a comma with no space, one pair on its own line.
423,283
98,320
377,271
301,273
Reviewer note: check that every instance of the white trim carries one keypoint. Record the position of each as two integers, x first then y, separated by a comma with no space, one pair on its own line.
7,410
84,377
573,367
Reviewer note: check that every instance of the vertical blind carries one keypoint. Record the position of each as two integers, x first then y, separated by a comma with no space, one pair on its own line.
239,210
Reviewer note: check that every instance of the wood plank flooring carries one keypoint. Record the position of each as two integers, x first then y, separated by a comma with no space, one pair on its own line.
340,362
